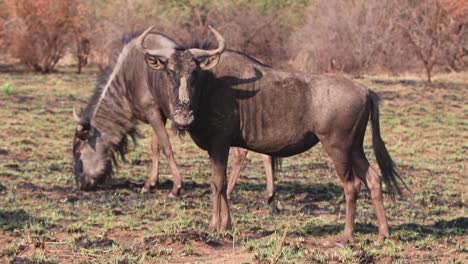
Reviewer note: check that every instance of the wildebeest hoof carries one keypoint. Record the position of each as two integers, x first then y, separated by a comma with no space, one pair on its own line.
382,238
219,228
270,197
144,189
213,227
274,209
171,195
346,239
176,192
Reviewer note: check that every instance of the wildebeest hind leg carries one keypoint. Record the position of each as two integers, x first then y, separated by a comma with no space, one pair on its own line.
238,155
374,184
270,187
341,159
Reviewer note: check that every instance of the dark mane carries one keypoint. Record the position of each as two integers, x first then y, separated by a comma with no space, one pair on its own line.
197,43
249,57
102,78
113,116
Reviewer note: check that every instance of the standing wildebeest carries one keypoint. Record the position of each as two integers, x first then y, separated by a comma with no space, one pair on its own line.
245,104
127,93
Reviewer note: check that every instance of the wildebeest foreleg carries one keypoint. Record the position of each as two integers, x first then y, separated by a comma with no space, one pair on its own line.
158,124
220,218
153,177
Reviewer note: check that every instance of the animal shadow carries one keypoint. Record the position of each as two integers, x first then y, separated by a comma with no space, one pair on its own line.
413,232
16,219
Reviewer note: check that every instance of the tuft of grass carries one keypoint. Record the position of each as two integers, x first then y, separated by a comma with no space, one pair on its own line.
76,228
11,249
7,88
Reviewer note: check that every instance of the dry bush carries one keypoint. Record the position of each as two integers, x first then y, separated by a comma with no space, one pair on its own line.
258,28
39,31
81,35
109,23
373,36
3,19
261,31
456,52
348,36
435,36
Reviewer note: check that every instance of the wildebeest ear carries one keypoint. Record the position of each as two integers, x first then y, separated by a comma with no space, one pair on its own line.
157,63
83,131
207,63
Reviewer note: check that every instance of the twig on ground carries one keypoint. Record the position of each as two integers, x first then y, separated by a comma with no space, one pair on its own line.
280,245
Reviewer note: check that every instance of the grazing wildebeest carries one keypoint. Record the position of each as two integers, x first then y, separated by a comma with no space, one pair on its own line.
122,97
245,104
125,94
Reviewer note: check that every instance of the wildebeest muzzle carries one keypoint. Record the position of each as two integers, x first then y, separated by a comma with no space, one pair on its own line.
183,117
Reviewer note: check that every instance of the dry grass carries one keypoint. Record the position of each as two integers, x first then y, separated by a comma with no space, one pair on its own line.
43,219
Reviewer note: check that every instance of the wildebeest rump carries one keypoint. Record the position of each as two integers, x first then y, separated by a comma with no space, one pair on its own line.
243,103
126,93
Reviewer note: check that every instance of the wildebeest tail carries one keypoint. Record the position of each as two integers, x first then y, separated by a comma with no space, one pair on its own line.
276,163
388,168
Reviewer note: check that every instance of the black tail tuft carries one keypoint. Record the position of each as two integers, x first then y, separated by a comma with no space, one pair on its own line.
276,164
386,164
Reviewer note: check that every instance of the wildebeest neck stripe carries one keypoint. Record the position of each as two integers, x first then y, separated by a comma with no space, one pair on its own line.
116,69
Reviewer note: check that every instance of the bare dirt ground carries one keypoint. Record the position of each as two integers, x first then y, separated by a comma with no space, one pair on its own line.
44,219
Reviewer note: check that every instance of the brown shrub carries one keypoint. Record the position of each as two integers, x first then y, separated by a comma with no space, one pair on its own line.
436,36
38,31
347,36
261,31
373,36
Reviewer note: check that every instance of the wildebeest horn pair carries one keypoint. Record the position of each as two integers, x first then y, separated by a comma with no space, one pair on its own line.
197,53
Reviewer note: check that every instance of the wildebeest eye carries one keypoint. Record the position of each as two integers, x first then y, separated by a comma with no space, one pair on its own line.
158,63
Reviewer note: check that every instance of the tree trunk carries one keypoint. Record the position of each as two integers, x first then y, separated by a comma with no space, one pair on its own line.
428,72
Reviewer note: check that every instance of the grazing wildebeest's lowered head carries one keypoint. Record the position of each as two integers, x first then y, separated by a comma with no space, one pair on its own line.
183,67
94,146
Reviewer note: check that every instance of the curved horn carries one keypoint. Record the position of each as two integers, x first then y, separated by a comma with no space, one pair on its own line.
165,53
207,53
76,117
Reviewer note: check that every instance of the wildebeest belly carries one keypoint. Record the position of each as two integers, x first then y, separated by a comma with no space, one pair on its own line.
277,121
282,147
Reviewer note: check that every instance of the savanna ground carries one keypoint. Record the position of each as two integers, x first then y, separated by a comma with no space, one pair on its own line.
44,219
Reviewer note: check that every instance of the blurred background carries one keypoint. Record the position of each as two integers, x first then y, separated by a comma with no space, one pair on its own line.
355,36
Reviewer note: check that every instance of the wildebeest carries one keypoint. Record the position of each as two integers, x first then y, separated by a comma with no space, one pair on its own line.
126,93
122,97
246,104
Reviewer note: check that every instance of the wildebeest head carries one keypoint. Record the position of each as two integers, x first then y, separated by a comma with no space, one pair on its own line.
92,158
183,66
